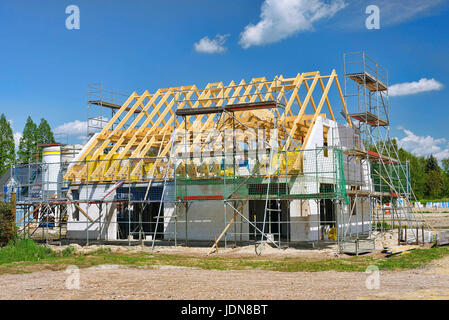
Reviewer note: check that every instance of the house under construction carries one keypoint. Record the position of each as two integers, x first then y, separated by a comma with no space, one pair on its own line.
238,163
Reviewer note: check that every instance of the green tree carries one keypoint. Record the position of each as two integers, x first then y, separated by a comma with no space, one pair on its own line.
434,178
445,192
445,164
418,175
28,142
432,164
44,132
7,147
434,184
45,135
417,171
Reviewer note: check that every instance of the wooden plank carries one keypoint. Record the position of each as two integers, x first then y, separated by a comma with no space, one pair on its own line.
82,211
302,110
75,169
311,97
320,105
327,100
132,141
343,101
227,227
13,204
106,142
28,214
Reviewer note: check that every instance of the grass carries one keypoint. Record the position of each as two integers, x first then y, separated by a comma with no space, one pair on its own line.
24,250
384,226
26,256
415,259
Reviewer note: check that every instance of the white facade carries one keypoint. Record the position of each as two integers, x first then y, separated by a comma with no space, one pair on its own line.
206,219
304,214
104,217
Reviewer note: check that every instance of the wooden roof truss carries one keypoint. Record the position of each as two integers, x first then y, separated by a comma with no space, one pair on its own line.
143,127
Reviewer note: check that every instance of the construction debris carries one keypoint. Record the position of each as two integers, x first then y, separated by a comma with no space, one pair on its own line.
400,249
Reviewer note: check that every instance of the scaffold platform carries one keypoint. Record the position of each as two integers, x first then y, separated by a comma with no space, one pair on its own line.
371,82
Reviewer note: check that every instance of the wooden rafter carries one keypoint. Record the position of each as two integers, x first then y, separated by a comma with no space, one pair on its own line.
153,127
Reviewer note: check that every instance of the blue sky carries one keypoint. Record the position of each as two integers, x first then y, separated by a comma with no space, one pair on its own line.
138,45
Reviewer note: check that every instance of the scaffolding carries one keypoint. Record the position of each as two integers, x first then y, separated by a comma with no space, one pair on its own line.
102,104
42,208
391,195
244,163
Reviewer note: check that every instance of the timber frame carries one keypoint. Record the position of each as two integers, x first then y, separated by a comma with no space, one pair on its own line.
145,123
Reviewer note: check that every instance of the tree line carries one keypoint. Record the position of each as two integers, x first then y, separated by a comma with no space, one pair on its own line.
28,150
428,179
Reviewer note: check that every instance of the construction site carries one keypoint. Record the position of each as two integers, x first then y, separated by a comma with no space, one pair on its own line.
247,163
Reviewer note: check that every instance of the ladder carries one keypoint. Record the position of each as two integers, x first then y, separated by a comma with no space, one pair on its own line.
268,208
166,177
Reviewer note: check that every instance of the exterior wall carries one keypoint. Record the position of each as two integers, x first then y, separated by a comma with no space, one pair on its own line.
205,220
356,173
360,219
169,221
304,214
304,220
106,226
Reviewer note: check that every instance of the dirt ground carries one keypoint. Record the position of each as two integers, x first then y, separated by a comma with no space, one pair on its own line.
438,220
115,282
327,252
169,282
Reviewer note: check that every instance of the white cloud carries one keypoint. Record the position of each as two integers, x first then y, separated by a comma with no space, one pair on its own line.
17,137
281,19
408,88
207,45
83,139
399,11
392,12
74,128
78,128
424,145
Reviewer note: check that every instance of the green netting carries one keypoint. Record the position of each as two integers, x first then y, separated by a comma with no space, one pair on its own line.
341,176
308,174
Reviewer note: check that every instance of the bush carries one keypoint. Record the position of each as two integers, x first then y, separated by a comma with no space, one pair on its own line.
8,229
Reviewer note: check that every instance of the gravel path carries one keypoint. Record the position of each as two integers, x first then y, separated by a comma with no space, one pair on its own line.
114,282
